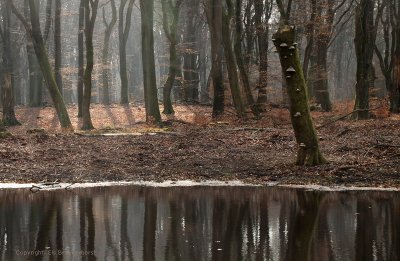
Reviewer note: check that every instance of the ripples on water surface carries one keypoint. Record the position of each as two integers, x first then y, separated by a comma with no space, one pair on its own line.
199,223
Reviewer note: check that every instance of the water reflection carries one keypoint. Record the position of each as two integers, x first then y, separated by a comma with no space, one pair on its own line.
137,223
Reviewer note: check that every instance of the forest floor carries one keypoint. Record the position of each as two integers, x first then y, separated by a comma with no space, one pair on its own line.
192,147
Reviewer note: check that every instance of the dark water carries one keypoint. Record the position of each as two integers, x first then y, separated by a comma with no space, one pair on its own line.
137,223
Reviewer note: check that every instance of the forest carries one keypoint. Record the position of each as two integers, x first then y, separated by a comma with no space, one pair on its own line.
286,91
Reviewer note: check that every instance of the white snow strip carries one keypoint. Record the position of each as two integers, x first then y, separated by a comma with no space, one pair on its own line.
188,183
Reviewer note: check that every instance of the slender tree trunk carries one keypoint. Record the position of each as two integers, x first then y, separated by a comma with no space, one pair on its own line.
261,9
240,62
106,47
170,25
47,25
396,58
190,70
81,56
306,136
231,65
57,46
35,74
214,19
7,93
90,19
321,82
250,32
310,38
123,30
43,60
173,60
149,73
364,45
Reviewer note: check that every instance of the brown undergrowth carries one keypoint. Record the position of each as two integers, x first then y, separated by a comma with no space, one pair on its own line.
191,146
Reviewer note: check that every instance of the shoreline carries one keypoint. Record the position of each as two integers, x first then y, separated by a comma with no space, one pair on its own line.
188,183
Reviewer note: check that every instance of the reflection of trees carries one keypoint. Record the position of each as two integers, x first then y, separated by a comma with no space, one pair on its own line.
364,237
59,232
171,249
86,214
150,226
82,225
262,248
395,229
305,221
125,243
205,223
109,240
217,226
46,223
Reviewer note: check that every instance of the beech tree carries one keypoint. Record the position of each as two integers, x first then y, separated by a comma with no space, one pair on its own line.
91,7
213,10
57,45
396,35
389,55
7,80
81,56
149,74
170,24
286,45
231,59
124,26
364,41
244,76
35,73
262,14
34,31
105,58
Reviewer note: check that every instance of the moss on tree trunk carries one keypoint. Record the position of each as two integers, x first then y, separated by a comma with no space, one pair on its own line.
306,137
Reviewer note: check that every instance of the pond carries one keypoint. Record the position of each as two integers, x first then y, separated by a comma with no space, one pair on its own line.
199,223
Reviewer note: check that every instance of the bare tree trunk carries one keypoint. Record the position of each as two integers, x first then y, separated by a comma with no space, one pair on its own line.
106,47
35,74
90,19
7,93
170,24
123,29
81,56
395,6
262,10
149,73
57,46
310,38
34,31
231,63
214,19
240,62
364,44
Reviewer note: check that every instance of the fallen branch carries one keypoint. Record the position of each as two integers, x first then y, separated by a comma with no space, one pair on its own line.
252,129
385,145
347,115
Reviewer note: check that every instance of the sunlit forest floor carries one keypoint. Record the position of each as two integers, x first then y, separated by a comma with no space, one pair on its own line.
191,146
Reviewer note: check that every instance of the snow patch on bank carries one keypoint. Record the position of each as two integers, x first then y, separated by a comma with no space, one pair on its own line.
187,183
183,183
